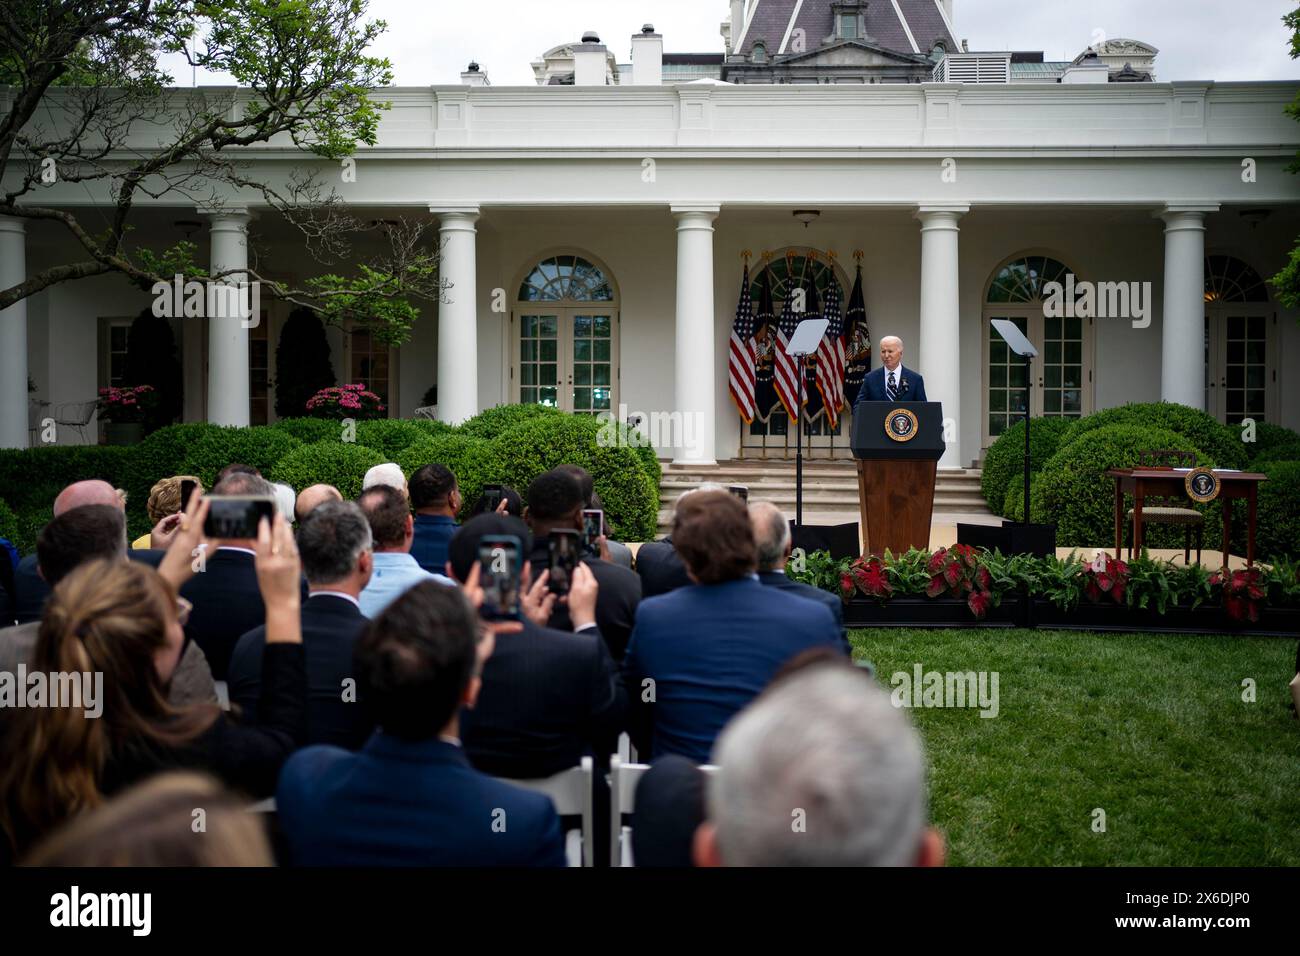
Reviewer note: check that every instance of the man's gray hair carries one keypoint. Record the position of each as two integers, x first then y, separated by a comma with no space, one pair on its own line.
702,486
821,770
331,539
771,533
242,483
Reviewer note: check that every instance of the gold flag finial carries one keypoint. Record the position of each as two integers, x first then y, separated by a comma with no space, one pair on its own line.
832,255
858,254
767,256
745,254
813,254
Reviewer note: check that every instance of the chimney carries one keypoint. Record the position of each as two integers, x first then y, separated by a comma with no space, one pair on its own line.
737,24
474,76
589,68
647,58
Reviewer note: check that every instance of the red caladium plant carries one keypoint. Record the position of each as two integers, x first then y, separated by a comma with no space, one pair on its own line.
869,576
956,571
1243,593
1105,579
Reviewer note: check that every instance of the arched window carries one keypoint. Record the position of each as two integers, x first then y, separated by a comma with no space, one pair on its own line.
759,53
1228,279
1059,380
565,350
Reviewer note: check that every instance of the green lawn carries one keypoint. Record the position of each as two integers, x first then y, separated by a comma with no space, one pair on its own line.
1150,728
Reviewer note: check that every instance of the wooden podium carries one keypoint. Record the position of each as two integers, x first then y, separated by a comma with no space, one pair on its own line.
898,446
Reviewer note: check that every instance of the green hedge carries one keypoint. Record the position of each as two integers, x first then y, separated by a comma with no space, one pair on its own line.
1287,452
341,464
203,450
492,422
8,523
1269,437
30,480
311,430
630,494
471,460
432,429
1073,490
389,436
1278,520
1221,443
1004,462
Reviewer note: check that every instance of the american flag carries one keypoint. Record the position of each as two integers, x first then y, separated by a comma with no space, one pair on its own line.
830,355
786,368
741,366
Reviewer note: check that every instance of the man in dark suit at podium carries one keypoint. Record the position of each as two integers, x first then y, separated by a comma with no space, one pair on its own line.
892,382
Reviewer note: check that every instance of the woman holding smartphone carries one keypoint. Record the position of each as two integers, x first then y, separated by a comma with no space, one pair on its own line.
123,620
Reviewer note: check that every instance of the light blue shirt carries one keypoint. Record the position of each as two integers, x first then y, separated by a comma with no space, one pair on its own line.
395,572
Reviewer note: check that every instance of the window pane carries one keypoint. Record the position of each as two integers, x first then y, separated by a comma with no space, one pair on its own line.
582,375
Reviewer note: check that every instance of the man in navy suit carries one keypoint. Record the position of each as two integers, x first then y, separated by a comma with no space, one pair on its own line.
773,540
409,797
891,382
701,653
334,542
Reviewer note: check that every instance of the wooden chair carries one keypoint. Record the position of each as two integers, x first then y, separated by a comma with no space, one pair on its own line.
1170,510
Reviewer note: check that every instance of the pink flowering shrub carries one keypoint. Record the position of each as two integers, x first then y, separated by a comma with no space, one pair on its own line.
346,401
130,403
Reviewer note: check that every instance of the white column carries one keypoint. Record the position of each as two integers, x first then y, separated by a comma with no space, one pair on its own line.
227,332
938,353
458,315
695,369
13,336
1182,341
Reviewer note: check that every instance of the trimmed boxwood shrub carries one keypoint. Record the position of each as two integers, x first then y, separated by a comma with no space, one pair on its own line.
1222,444
1004,462
1073,490
1269,437
310,430
8,523
472,460
209,453
1287,452
494,421
388,436
161,455
430,428
341,464
1277,531
630,495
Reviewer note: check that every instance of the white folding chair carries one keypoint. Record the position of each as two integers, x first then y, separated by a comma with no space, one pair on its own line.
262,806
223,693
623,780
626,752
570,791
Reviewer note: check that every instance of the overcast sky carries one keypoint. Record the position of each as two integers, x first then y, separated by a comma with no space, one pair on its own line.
431,41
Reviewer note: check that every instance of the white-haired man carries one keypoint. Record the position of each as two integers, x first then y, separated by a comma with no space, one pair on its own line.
891,382
388,473
821,770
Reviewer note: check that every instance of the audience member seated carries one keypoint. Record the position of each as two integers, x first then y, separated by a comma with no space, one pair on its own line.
435,496
773,539
227,602
658,564
311,496
555,503
393,531
123,620
164,501
30,591
510,503
152,824
826,740
387,475
708,649
85,534
613,551
549,697
334,545
669,809
410,797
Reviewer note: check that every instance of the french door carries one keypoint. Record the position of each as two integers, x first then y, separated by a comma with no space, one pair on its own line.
1060,378
1240,362
567,358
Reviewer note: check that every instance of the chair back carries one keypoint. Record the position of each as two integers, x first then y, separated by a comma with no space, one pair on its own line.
570,791
623,780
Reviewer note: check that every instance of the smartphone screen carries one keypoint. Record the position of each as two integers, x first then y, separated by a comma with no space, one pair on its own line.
564,558
237,516
593,526
500,565
740,491
492,496
187,492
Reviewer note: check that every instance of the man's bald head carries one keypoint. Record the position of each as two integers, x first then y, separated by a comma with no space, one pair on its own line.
312,497
83,493
771,535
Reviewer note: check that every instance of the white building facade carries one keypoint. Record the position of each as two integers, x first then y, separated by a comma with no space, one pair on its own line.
593,240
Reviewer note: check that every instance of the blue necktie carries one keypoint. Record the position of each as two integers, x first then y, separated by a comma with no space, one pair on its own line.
890,392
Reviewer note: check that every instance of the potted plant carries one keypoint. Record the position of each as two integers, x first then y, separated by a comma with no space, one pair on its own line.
125,411
346,401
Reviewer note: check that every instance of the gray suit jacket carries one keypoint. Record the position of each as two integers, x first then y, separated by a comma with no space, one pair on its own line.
191,684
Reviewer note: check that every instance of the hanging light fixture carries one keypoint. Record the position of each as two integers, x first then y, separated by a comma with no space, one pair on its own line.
807,216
